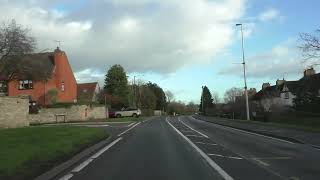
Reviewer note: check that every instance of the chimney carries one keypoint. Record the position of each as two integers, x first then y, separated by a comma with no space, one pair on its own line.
280,82
309,72
265,85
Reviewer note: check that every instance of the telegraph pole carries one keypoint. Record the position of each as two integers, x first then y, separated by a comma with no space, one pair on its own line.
244,75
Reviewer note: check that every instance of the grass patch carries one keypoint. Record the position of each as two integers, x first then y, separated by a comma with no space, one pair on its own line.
126,119
27,152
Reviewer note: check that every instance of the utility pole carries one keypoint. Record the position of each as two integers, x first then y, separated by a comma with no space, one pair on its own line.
244,75
202,101
134,92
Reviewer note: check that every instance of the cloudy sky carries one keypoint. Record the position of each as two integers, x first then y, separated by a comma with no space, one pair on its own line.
178,44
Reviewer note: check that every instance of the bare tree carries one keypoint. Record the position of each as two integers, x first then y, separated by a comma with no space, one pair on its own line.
14,41
310,45
169,96
231,94
215,97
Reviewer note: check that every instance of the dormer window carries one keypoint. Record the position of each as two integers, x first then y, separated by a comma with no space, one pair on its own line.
62,86
25,84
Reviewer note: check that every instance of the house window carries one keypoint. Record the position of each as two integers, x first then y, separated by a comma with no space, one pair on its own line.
25,84
62,86
286,95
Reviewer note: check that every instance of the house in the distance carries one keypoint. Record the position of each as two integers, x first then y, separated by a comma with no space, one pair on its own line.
29,78
282,95
88,92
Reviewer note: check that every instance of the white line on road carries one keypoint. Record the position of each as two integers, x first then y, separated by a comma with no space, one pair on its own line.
212,144
66,177
230,157
105,148
82,165
128,129
130,124
261,162
190,135
210,161
193,129
247,132
89,160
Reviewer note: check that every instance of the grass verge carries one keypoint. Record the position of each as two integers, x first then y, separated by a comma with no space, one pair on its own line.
302,127
27,152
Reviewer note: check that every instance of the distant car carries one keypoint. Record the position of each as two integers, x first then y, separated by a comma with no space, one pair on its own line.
128,112
112,114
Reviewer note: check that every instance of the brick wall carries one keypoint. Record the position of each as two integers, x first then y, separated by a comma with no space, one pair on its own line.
13,112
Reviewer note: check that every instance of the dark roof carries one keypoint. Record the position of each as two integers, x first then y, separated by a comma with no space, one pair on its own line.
271,91
310,84
37,66
86,91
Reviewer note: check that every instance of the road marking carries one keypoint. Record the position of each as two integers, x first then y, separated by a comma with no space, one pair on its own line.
230,157
261,162
105,125
247,132
66,177
130,124
105,148
193,129
186,131
82,165
128,129
275,158
190,135
210,161
212,144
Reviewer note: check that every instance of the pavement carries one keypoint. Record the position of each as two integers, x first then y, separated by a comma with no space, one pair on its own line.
186,148
311,138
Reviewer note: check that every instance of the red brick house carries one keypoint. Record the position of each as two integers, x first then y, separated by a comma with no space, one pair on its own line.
60,78
88,92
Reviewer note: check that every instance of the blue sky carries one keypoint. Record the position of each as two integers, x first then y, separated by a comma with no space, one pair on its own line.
179,44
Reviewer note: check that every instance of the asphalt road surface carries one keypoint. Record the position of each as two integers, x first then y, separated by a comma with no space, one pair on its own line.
186,148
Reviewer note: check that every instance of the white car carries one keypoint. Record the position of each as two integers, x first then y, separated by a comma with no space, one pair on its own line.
128,112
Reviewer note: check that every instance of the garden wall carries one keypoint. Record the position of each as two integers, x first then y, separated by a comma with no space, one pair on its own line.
13,112
74,113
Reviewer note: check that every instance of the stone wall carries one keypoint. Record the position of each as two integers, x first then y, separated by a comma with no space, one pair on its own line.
75,113
14,112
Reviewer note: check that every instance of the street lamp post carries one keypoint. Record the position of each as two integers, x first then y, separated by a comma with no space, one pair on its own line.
244,76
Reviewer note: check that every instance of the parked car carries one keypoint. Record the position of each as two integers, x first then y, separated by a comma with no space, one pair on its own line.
112,114
128,112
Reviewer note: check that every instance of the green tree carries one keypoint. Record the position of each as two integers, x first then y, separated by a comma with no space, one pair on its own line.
206,100
160,95
116,83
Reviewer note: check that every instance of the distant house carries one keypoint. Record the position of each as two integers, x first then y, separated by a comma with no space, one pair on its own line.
29,81
283,94
88,92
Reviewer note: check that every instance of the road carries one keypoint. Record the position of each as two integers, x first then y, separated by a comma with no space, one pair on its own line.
186,148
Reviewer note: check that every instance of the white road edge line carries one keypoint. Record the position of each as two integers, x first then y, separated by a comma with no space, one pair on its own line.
190,135
210,161
128,129
66,177
192,128
230,157
82,165
89,160
226,127
130,124
206,143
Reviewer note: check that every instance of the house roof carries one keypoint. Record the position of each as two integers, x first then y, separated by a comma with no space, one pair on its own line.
35,66
309,84
86,91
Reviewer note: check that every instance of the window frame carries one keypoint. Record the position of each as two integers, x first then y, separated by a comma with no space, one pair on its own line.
23,83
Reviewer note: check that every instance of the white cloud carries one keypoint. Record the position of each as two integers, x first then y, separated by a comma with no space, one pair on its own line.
269,15
158,35
282,60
